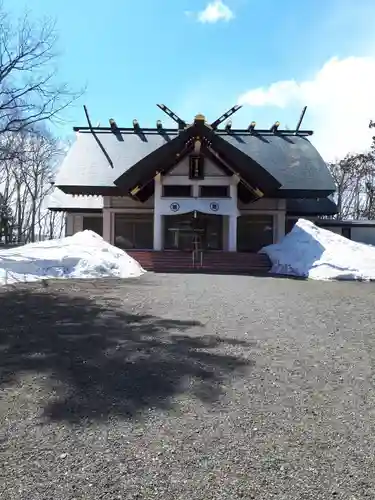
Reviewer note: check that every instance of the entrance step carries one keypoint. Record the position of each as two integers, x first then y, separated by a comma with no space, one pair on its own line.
219,262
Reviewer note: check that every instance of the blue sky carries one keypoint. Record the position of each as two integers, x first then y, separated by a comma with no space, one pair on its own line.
204,56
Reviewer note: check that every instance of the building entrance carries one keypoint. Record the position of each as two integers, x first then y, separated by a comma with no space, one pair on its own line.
193,230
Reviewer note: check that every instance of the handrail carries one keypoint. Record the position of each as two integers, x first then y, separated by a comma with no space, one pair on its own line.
195,255
197,252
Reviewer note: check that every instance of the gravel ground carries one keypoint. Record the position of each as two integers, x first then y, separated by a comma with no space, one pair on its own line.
187,387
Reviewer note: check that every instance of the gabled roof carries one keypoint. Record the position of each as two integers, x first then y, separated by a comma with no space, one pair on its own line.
279,164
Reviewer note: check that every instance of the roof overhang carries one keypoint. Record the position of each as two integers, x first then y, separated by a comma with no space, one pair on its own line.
92,190
345,223
310,207
76,210
296,194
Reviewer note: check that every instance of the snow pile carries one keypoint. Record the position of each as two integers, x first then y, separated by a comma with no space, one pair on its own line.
84,255
316,253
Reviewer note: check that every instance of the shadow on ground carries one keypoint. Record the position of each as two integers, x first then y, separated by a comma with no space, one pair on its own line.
252,274
103,359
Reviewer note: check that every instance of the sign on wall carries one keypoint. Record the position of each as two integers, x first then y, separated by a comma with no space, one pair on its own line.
206,206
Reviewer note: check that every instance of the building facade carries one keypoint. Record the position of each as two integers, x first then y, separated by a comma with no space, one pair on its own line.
221,190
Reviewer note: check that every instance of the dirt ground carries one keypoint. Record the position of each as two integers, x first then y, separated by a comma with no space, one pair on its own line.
187,387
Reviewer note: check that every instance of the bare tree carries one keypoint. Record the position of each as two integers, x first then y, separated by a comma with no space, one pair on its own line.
29,92
354,177
27,185
30,98
37,176
351,176
54,224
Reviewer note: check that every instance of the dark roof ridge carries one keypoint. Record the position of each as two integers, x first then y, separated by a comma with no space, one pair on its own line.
218,131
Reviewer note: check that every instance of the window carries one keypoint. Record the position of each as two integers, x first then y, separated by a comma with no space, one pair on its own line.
134,231
93,224
347,232
177,191
214,191
254,232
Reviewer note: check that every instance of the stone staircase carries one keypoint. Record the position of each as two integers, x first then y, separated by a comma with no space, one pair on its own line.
212,262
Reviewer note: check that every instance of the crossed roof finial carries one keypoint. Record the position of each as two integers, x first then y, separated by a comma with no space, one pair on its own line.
199,117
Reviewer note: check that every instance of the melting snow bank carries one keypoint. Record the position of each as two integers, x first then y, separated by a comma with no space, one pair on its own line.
316,253
84,255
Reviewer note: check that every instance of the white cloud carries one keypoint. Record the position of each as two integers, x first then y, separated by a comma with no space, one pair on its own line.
340,100
214,12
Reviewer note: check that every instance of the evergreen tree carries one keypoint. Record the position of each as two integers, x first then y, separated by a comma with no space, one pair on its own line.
6,221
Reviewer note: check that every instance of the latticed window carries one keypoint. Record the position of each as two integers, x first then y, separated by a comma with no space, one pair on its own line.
214,191
178,191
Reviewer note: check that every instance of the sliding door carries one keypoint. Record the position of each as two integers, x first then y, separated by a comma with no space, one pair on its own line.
254,232
134,231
